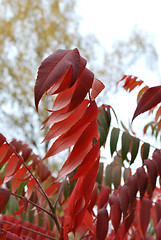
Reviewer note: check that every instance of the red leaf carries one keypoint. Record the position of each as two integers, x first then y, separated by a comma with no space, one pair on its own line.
132,188
63,99
145,214
103,196
141,93
13,165
115,212
142,181
12,236
4,197
55,69
18,178
68,139
63,231
93,198
64,125
152,172
150,98
130,82
83,85
124,199
129,219
52,188
157,231
102,224
2,139
23,204
88,221
30,188
80,197
157,160
158,211
5,152
88,161
57,116
97,87
80,150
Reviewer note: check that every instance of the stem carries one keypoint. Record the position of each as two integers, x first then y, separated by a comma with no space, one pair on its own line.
30,230
53,214
58,197
34,204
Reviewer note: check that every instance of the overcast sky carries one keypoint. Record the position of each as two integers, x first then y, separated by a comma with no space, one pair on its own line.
112,20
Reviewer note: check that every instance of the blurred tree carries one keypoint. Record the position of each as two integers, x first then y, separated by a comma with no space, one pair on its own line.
29,31
126,54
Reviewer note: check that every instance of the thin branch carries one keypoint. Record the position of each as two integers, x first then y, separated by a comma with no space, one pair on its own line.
53,210
58,197
32,203
30,230
53,214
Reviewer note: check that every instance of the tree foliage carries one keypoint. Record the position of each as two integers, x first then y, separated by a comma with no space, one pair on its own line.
87,200
30,30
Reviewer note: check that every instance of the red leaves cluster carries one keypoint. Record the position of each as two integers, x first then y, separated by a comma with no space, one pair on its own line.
78,124
14,228
124,200
9,157
131,82
73,122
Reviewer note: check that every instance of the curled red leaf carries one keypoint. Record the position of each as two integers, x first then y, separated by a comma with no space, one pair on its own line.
150,98
142,179
152,172
157,160
103,196
4,197
124,199
61,67
102,224
115,212
145,209
132,188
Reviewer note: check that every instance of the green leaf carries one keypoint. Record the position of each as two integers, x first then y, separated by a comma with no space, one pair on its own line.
126,174
100,174
114,139
103,121
66,189
118,159
108,175
125,144
116,176
135,148
145,148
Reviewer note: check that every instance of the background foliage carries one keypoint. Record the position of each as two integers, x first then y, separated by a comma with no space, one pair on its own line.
32,30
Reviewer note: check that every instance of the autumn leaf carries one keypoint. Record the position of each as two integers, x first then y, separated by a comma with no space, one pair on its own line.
124,199
102,224
115,211
145,214
142,179
150,98
4,197
61,66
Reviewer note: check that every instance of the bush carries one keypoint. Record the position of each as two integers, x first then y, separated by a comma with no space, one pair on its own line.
86,200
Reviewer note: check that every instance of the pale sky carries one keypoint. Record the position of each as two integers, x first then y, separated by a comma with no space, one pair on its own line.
112,20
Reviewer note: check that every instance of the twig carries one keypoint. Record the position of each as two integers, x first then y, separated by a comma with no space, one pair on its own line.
32,203
28,229
53,214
